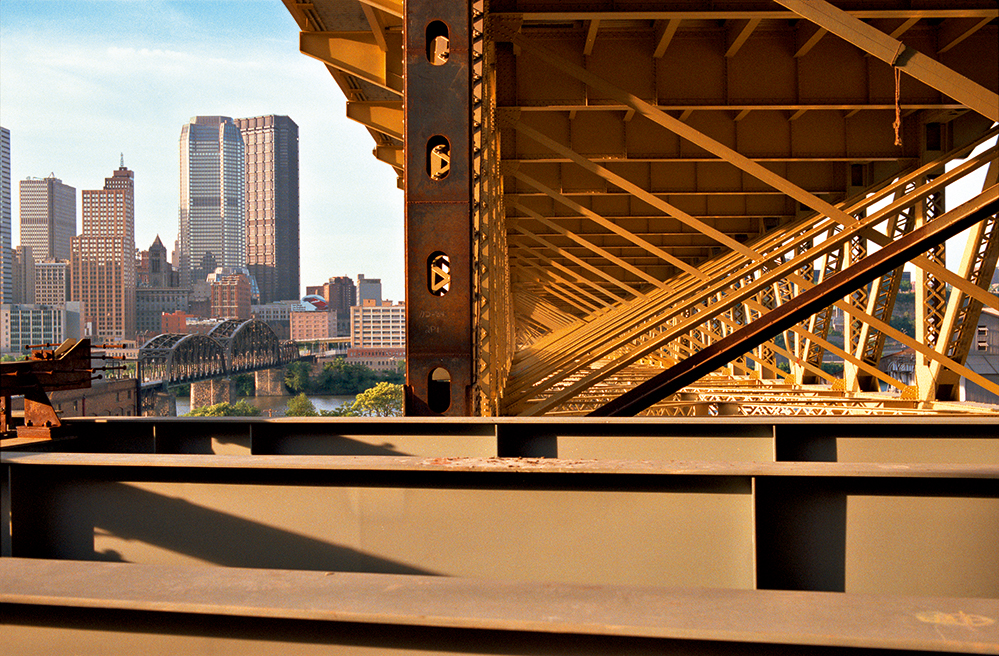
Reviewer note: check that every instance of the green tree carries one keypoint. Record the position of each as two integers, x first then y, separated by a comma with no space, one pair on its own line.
296,378
245,384
340,411
833,368
340,377
225,409
382,400
300,406
904,324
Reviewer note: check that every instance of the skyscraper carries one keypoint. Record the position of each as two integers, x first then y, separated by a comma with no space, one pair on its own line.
23,275
272,242
212,197
341,294
48,217
368,289
6,255
103,264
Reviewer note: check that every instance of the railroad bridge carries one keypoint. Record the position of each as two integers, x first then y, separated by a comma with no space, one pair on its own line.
613,208
207,362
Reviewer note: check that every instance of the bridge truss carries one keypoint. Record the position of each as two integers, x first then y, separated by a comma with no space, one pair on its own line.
598,191
232,347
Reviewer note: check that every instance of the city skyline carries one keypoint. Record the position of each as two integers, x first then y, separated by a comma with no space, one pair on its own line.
124,77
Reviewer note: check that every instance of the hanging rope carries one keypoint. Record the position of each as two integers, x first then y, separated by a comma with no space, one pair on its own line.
898,109
898,83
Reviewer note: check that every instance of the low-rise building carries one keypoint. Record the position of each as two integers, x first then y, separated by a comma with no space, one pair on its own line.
151,303
374,325
983,359
311,326
277,316
51,282
32,325
175,322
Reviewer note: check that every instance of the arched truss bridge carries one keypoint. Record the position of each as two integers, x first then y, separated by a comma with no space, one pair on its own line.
232,347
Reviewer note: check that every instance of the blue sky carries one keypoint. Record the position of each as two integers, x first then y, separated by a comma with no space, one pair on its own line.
83,82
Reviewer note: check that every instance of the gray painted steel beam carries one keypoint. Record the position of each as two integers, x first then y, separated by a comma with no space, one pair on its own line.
168,608
900,439
919,529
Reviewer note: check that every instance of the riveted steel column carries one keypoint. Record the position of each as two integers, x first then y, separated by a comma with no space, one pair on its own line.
438,76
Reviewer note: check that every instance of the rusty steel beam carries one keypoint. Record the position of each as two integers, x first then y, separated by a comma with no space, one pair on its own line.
820,296
438,186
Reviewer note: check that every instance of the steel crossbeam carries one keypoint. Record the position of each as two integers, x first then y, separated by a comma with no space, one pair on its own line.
826,246
872,266
896,53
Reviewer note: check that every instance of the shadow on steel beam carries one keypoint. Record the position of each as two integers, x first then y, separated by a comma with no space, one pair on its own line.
69,521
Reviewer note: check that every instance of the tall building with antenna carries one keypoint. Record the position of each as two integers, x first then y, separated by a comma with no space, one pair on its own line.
103,265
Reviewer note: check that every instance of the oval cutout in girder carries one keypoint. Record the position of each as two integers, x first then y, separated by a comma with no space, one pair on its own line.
438,273
438,43
439,390
438,157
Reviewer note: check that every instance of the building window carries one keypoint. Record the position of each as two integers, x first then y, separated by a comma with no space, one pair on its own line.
983,338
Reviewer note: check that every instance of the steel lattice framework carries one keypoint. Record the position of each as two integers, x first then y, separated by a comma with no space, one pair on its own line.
231,347
598,191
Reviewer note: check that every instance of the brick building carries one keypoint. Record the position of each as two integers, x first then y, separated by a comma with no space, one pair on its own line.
309,326
231,297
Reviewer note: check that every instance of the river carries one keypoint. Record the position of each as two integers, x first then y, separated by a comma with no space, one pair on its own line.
274,406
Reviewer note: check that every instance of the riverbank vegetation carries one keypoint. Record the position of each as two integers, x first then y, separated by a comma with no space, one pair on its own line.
239,409
337,378
382,400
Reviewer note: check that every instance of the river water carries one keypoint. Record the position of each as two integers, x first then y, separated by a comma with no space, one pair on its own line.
274,406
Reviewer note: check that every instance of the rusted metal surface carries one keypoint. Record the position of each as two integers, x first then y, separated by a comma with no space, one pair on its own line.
708,621
803,305
66,367
438,184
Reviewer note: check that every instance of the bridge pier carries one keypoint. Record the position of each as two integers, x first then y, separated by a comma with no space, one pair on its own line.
210,392
158,403
270,382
